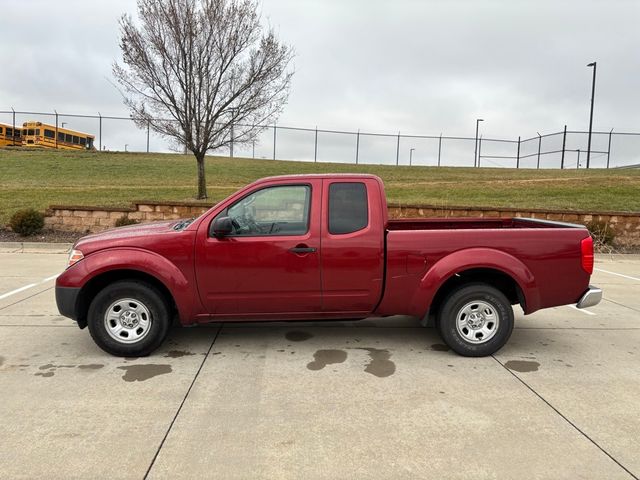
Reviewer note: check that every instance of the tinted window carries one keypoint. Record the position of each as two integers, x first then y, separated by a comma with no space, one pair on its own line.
60,137
76,139
49,133
68,138
282,210
348,211
83,141
1,130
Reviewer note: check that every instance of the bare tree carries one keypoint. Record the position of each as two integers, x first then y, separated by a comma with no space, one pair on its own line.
202,72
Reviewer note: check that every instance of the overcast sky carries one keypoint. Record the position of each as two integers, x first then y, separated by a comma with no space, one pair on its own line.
416,66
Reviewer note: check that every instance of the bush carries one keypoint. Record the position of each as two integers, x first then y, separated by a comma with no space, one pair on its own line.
124,221
602,234
27,222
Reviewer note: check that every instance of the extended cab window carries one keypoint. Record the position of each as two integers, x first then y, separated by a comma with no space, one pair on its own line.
280,210
348,210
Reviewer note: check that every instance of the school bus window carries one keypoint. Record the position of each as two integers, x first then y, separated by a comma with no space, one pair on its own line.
68,138
49,133
37,131
30,131
10,132
76,139
60,137
1,130
89,143
83,141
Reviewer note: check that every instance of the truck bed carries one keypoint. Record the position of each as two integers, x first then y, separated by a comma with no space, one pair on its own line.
547,253
474,223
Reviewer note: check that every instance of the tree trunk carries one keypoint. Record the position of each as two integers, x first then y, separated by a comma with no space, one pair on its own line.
202,183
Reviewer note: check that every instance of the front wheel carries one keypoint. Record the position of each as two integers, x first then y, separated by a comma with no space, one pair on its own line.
129,319
476,320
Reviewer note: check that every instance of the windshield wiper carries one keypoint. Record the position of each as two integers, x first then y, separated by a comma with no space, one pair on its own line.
181,225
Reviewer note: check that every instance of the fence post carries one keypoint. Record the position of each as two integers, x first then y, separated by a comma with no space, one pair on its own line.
609,148
398,150
479,150
315,147
439,148
13,135
578,162
564,142
148,128
99,131
518,156
274,140
56,129
357,145
539,145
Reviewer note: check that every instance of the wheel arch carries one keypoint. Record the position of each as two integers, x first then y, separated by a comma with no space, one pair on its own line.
494,267
92,287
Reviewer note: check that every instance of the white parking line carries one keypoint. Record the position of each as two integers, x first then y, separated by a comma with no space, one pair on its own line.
618,274
18,290
581,310
27,287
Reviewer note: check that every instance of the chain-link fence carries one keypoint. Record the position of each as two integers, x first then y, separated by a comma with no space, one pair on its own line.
563,149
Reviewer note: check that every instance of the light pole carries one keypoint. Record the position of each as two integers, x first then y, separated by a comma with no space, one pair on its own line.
593,94
411,155
125,146
475,151
63,124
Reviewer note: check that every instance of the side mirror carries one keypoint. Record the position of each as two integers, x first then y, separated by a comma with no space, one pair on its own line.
220,227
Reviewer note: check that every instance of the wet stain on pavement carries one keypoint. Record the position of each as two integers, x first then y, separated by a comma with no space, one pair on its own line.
178,354
44,374
522,366
140,373
322,358
380,364
298,336
439,347
91,366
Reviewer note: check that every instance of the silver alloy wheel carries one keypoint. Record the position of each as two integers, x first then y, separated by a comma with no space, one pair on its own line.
127,320
477,322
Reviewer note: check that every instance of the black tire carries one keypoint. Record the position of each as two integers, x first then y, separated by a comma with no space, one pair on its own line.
141,293
454,305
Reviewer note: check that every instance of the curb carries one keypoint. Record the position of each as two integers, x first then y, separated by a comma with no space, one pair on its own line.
34,247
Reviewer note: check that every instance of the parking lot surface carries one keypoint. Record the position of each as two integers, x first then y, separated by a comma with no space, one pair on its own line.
379,398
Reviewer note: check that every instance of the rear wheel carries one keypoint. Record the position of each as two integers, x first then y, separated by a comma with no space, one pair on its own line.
475,320
129,319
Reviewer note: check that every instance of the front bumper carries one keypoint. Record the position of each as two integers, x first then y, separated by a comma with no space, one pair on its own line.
590,298
67,301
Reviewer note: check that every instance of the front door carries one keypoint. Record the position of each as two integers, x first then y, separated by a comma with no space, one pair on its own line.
270,263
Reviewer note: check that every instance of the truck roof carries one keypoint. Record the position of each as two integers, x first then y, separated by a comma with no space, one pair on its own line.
319,175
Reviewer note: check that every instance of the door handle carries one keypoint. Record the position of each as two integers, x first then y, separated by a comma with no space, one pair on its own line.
302,249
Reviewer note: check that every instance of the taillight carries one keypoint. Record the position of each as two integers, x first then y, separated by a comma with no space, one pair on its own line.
586,248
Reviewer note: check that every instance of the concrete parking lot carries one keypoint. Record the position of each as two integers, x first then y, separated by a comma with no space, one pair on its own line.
380,398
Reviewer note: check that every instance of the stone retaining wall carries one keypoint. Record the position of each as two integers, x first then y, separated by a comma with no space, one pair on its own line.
625,225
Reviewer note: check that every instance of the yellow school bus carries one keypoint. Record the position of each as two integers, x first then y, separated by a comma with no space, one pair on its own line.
9,136
42,135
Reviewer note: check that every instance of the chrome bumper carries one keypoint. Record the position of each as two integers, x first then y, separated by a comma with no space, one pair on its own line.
591,297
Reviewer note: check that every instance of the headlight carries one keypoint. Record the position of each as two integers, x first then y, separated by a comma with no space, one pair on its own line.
74,257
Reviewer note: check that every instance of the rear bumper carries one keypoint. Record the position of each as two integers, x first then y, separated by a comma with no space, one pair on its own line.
590,298
67,301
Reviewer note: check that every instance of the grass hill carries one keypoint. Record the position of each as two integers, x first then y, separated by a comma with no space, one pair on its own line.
40,178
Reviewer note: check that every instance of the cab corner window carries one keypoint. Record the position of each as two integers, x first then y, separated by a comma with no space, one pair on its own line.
279,210
348,209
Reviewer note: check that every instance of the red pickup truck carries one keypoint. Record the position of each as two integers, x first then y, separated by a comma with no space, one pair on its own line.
308,247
